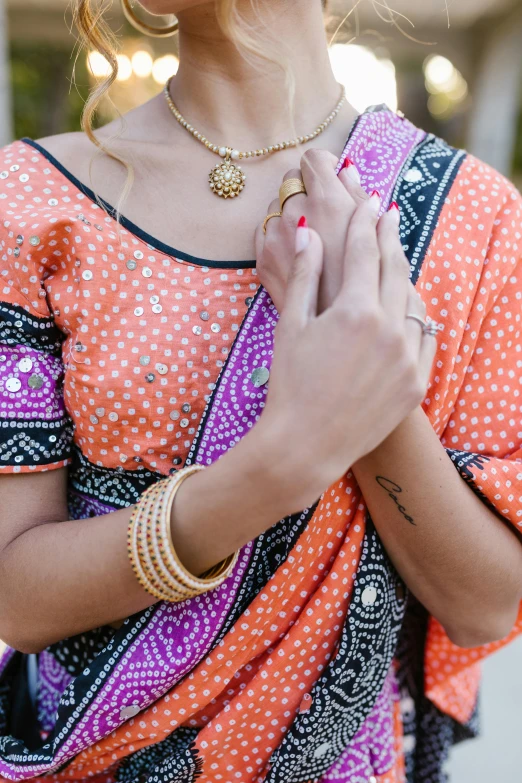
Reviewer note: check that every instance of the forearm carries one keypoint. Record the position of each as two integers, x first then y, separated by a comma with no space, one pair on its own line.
457,557
61,578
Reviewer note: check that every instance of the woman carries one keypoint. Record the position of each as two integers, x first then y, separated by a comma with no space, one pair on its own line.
219,643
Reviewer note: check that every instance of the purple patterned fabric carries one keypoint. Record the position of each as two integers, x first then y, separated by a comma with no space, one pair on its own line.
84,506
372,750
380,146
24,369
171,639
53,679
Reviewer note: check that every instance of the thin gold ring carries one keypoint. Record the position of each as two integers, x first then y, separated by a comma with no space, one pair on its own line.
290,187
271,215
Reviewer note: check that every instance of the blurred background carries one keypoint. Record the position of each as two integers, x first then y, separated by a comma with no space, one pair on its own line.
453,67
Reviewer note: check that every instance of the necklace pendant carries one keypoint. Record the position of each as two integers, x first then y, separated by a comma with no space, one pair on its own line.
227,180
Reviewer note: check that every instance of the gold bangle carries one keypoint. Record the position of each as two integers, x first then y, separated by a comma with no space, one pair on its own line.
151,550
290,187
268,217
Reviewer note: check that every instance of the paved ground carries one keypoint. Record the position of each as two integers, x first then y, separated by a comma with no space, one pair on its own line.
497,756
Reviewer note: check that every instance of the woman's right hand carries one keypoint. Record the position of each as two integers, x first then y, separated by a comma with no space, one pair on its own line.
343,380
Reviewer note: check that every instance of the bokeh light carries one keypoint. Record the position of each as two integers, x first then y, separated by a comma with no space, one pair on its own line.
446,85
164,67
374,81
142,63
98,65
124,68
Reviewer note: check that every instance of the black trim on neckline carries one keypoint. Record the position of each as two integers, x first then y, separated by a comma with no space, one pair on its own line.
133,229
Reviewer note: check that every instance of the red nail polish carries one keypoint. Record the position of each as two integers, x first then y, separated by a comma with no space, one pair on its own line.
302,222
376,194
394,205
347,163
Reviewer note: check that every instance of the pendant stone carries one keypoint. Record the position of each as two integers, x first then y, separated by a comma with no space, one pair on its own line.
227,180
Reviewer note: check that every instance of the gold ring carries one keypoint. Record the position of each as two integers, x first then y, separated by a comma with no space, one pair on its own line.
290,187
271,215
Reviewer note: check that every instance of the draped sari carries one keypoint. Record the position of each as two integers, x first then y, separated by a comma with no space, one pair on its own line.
311,662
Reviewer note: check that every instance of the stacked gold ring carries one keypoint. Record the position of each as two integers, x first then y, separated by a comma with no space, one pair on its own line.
290,187
269,217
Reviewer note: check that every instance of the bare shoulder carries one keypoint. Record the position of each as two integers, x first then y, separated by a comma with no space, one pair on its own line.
74,151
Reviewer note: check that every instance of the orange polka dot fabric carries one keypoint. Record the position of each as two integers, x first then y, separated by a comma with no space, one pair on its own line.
471,282
145,333
127,309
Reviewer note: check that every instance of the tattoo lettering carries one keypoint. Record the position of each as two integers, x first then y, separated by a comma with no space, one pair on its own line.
393,490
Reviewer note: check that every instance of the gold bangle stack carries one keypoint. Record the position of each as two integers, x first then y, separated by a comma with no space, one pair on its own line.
151,549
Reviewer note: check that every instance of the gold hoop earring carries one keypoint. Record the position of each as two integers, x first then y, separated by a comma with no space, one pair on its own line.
143,27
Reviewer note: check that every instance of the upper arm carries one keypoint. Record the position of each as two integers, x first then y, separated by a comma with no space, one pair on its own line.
31,499
35,428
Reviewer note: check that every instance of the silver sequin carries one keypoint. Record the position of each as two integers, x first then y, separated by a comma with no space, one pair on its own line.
13,384
15,167
138,254
185,407
94,419
52,438
249,300
100,411
36,381
131,265
144,360
34,241
216,328
204,315
260,376
184,423
197,329
16,252
157,308
24,177
162,369
150,377
322,750
413,175
369,596
53,202
19,239
174,415
138,311
146,271
25,365
177,461
113,416
4,174
154,299
87,275
129,712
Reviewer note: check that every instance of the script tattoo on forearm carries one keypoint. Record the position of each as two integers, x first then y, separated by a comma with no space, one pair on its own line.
393,490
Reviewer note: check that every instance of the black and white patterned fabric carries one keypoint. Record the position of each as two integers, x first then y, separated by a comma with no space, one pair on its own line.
344,696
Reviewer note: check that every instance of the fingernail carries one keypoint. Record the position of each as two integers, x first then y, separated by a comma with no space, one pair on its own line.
302,235
352,170
375,201
396,212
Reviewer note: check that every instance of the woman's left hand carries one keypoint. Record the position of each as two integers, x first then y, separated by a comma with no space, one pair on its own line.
328,205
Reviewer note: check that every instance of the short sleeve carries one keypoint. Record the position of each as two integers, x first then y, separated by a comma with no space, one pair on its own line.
35,429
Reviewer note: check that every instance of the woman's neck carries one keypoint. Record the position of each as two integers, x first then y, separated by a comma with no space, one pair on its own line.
243,100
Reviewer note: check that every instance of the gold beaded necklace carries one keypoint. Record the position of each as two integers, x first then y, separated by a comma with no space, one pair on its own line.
227,179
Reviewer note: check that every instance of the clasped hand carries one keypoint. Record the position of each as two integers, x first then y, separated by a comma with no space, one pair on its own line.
348,364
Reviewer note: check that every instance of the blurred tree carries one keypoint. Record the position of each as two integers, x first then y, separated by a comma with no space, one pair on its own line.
46,101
